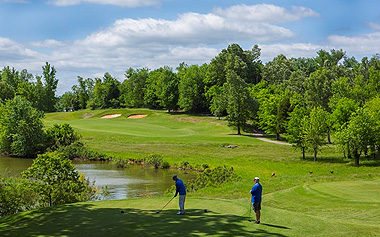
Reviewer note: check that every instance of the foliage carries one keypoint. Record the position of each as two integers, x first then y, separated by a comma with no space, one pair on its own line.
60,135
213,178
21,126
58,182
240,105
119,162
78,150
16,195
154,160
314,129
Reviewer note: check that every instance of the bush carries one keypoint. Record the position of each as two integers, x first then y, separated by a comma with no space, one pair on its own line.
165,165
60,135
119,162
79,150
213,178
16,195
154,160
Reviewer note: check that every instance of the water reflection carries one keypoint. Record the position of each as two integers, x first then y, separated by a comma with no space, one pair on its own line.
131,182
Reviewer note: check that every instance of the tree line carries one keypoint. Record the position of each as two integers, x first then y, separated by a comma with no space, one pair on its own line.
310,101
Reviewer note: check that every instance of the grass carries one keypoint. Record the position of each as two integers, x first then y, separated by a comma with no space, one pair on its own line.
296,202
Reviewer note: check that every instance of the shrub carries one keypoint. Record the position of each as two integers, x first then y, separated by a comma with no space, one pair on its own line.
154,160
213,178
60,135
119,162
165,165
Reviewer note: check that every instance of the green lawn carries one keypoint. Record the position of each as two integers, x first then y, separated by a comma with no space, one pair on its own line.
296,202
327,209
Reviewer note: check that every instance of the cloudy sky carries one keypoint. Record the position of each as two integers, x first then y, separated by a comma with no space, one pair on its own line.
90,37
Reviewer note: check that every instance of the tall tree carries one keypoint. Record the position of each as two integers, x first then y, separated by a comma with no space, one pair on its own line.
315,129
239,103
133,88
21,126
191,88
50,87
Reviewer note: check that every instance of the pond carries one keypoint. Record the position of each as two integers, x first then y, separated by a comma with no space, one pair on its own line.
132,182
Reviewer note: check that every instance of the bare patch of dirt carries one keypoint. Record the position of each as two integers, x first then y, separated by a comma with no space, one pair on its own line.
110,116
137,116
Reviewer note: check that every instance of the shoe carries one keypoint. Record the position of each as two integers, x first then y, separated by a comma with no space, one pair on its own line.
179,213
257,222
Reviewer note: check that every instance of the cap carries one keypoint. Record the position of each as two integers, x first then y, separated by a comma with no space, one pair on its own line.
256,178
174,177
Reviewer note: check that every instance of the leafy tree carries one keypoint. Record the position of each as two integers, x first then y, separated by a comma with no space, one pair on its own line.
57,181
82,92
278,70
60,135
239,103
314,128
21,128
359,134
133,87
295,130
191,88
318,88
50,87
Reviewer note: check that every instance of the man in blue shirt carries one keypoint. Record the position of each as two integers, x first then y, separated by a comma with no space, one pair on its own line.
256,192
181,190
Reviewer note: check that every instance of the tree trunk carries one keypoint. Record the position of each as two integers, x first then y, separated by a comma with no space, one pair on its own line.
303,153
328,137
315,154
348,152
277,136
357,156
238,127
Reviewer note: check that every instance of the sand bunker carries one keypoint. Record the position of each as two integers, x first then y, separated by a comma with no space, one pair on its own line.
137,116
110,116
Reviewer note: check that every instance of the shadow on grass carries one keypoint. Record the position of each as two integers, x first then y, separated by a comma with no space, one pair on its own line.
327,159
84,220
277,226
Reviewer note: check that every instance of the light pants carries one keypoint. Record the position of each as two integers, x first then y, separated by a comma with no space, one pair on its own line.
182,203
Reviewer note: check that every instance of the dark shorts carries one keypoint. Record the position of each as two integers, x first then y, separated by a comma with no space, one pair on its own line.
256,206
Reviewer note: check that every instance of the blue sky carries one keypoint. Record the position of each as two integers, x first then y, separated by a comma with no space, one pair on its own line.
90,37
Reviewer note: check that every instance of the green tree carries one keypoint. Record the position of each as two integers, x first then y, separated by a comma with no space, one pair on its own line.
133,88
50,87
191,88
295,130
360,133
60,135
57,181
21,126
315,129
240,105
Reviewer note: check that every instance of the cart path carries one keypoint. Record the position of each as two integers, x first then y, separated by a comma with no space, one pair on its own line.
260,137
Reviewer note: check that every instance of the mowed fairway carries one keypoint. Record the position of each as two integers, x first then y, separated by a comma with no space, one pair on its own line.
303,198
311,210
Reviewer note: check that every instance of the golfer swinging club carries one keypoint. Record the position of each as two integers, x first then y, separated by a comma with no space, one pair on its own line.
181,189
256,198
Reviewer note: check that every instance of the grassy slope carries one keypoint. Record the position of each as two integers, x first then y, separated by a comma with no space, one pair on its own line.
296,203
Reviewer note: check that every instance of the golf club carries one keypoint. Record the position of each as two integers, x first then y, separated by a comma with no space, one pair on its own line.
165,205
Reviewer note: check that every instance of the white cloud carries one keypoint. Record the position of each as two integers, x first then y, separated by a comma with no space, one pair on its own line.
366,44
269,51
121,3
265,13
374,26
49,43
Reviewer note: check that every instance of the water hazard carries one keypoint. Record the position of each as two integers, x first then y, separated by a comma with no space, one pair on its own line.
131,182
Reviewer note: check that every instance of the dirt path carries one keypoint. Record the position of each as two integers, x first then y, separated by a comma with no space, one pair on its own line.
260,137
